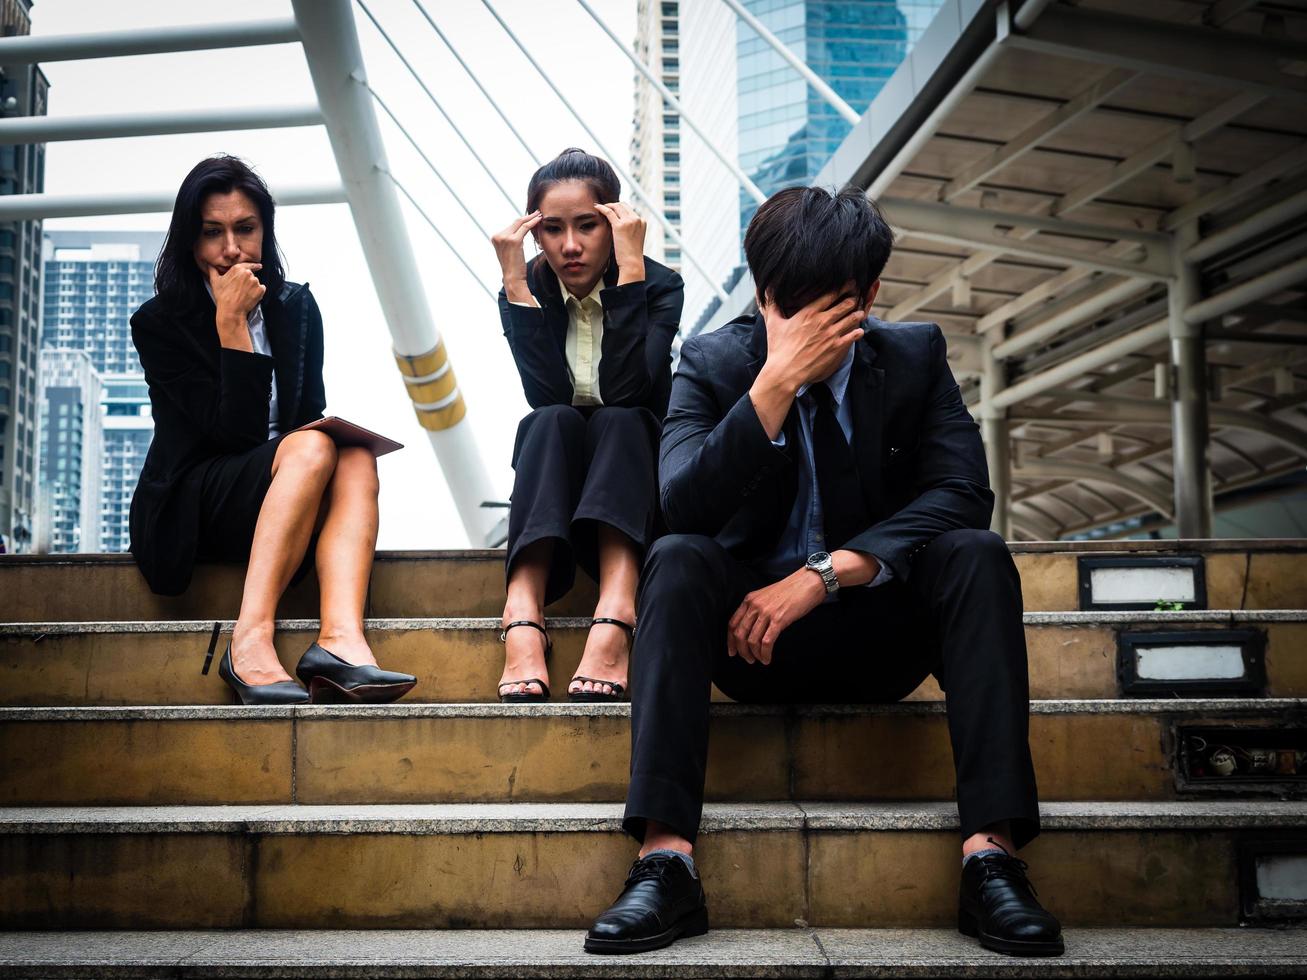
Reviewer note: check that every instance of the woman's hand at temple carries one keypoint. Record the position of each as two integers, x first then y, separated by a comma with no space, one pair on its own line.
512,257
235,293
628,241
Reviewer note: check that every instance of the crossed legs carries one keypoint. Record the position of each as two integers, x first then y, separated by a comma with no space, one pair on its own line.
315,487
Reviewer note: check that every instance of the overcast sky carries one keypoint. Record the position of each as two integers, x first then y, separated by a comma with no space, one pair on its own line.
320,242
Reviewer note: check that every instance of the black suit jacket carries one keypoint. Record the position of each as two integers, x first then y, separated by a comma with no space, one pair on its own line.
919,455
635,362
210,401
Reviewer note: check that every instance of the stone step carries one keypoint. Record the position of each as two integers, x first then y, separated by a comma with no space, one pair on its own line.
513,954
539,865
1254,574
1072,655
493,753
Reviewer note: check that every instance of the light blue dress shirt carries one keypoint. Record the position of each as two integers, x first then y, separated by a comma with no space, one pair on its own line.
804,532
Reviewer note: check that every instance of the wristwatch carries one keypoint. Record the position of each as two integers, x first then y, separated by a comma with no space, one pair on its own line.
822,564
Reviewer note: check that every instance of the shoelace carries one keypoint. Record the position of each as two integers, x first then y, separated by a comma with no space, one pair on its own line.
649,869
1006,868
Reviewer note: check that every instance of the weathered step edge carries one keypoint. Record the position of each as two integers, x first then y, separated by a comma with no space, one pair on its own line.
764,953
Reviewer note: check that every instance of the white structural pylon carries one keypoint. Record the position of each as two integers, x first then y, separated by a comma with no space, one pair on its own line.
336,64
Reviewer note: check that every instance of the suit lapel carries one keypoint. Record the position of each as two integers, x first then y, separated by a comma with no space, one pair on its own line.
867,390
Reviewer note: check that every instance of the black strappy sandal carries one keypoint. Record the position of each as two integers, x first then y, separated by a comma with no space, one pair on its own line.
618,692
526,697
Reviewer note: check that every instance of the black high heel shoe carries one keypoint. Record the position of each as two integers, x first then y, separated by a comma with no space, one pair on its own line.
282,692
527,697
331,680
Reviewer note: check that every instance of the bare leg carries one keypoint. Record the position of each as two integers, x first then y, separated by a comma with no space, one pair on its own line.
1002,834
524,648
301,471
608,647
660,837
344,555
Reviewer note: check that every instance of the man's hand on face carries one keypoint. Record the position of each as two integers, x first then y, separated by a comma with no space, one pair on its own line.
765,614
809,345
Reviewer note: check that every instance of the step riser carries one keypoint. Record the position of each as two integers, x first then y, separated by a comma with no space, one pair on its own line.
474,586
558,758
562,880
453,666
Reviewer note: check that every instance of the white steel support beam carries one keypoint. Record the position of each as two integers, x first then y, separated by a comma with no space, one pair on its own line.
994,430
1249,228
674,103
1057,469
989,229
1191,473
34,207
1098,92
1263,287
149,40
336,65
52,129
811,77
1085,310
1204,54
1240,188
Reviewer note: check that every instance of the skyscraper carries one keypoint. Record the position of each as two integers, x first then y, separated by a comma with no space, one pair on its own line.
94,281
71,453
23,90
656,131
758,107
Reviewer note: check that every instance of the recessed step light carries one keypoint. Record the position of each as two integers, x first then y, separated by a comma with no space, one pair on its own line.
1143,582
1193,663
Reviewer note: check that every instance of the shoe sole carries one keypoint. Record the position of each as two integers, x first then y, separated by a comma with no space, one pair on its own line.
695,924
323,691
1011,947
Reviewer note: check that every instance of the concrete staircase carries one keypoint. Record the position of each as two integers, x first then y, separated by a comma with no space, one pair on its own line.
407,840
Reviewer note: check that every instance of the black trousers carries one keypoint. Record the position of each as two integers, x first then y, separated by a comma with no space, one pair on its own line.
577,468
958,616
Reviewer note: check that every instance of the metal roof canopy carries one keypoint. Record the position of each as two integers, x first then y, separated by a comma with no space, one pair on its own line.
1101,203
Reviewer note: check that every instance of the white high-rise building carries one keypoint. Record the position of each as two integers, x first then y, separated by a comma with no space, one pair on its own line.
755,107
72,454
656,133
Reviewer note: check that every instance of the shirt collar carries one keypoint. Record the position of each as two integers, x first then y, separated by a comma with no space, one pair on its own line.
837,381
567,294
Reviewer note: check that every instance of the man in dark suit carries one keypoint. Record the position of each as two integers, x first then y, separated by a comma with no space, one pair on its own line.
827,494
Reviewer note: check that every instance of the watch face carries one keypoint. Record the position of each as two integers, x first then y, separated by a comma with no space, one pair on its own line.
820,558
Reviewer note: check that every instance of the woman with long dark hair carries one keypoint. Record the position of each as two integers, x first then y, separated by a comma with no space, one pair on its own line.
590,323
233,357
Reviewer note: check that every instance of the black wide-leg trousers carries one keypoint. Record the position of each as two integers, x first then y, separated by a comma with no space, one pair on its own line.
959,616
577,468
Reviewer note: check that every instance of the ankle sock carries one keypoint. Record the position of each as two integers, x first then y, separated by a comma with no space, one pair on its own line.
689,861
986,852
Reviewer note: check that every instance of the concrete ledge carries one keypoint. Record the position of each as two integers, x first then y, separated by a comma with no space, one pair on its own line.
1183,617
556,818
1195,707
722,953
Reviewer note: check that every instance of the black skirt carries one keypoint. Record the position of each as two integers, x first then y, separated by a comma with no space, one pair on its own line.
231,491
577,468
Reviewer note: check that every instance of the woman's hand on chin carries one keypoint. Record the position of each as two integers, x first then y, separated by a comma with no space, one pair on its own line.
235,293
628,241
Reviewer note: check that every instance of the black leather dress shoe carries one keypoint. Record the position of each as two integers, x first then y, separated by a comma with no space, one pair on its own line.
330,679
280,692
660,903
997,905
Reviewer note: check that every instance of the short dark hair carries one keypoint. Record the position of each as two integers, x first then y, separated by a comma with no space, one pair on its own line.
177,279
574,164
805,242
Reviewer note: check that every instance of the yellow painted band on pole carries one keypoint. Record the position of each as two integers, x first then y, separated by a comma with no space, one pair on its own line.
421,365
432,391
437,419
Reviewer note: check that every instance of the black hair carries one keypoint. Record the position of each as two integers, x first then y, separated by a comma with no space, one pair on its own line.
177,279
574,164
805,242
